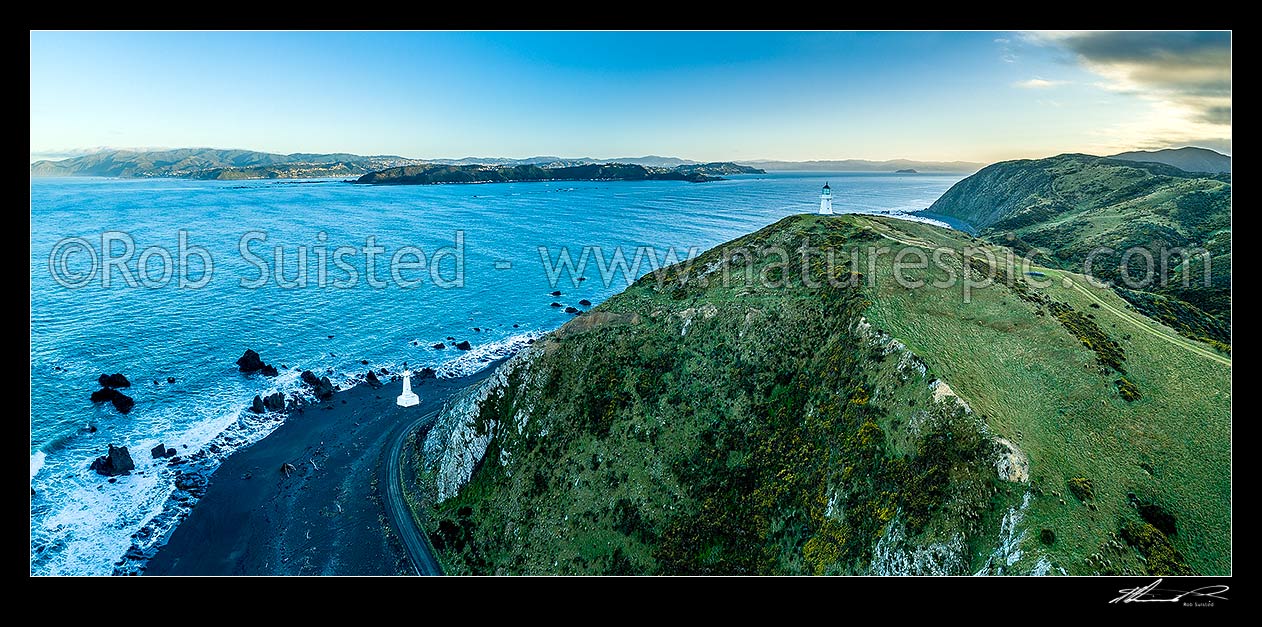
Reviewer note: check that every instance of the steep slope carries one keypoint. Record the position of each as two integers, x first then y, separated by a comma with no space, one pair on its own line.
745,414
1189,159
1081,209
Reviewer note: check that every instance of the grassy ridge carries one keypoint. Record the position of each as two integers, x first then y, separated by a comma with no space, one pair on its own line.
710,428
1079,208
703,428
1039,385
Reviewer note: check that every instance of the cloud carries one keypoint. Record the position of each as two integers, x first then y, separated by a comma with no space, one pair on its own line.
1189,68
1185,76
1037,83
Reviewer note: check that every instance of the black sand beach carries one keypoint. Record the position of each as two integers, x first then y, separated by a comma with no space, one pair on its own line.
326,517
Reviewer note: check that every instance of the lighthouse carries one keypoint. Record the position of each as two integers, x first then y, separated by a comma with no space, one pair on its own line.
826,201
408,398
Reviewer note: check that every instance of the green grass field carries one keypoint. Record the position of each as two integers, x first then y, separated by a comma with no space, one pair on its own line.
1040,387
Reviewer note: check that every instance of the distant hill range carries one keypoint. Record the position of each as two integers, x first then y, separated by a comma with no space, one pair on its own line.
210,163
218,164
652,161
1190,159
863,165
431,174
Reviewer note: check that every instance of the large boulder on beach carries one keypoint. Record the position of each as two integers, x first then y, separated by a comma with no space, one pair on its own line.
321,387
274,402
324,390
372,380
250,362
115,380
117,461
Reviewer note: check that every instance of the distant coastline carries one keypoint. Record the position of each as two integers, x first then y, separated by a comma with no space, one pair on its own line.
236,165
436,174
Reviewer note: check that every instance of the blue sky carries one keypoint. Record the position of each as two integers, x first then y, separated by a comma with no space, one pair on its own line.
976,96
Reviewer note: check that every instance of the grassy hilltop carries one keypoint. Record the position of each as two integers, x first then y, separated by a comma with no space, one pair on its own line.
1071,206
797,424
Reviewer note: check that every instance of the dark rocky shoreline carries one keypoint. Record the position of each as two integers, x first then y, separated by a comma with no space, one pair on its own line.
324,516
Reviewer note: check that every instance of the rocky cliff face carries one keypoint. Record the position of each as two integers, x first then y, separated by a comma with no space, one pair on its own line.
457,442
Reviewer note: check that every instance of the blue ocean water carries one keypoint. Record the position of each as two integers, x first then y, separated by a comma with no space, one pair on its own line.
81,524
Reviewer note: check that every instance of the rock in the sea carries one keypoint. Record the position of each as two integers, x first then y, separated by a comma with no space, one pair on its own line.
440,346
477,329
192,482
464,345
256,405
309,378
117,461
250,362
115,380
571,310
428,373
585,302
363,362
372,380
103,394
161,451
556,293
122,402
556,305
170,379
268,370
274,402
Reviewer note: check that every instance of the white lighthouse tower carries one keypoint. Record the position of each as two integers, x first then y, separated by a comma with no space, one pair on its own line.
408,398
826,201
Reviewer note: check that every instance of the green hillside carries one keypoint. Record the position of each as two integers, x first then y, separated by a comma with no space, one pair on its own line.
797,424
1080,209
